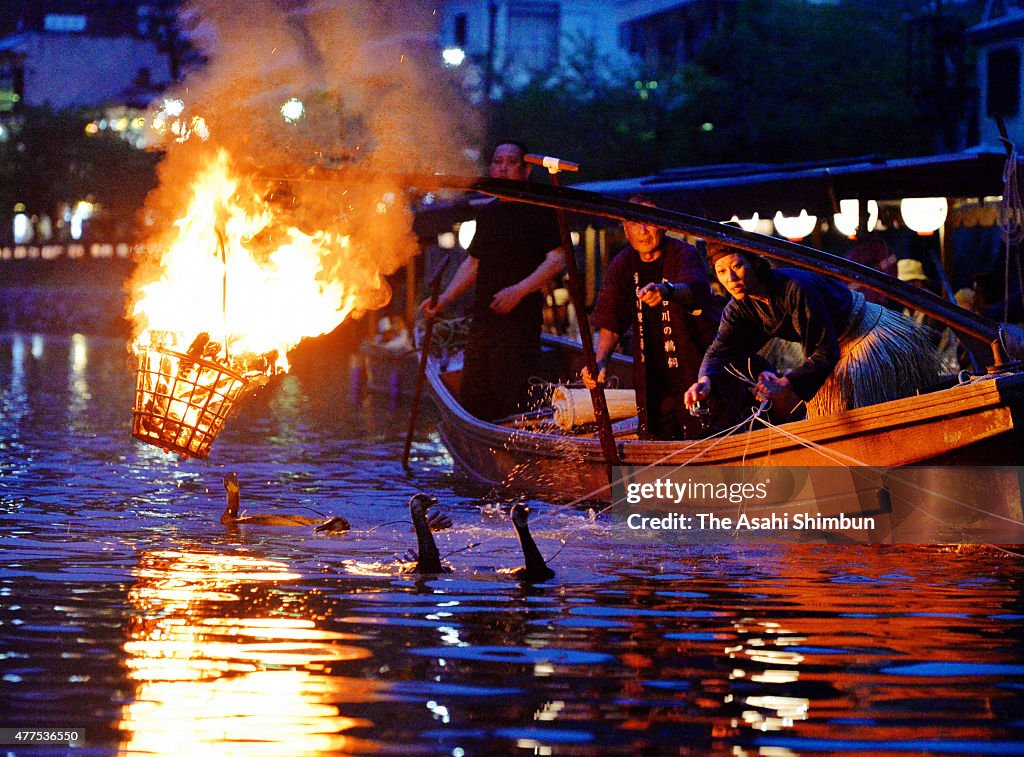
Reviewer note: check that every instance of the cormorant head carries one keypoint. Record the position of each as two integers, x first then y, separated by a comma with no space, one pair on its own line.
520,514
419,503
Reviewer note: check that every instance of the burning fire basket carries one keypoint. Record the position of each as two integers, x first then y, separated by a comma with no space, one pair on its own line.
182,401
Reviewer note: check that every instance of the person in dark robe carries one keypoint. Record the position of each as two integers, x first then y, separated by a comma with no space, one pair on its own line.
856,353
515,253
659,287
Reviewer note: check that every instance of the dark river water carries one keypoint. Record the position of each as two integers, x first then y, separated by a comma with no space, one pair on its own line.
128,612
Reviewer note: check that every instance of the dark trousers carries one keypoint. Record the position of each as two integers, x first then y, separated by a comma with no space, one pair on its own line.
496,370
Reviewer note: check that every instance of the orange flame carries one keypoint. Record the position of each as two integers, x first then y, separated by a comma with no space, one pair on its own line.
236,283
235,267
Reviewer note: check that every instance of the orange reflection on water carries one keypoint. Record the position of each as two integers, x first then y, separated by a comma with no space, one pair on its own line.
216,670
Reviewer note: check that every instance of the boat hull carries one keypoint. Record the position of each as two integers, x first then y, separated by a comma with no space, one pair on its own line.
966,425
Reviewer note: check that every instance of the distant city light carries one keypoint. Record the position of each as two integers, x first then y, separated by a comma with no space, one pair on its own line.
22,229
453,56
174,107
82,212
293,110
644,88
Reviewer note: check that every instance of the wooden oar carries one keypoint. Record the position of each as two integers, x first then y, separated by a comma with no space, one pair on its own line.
604,423
428,332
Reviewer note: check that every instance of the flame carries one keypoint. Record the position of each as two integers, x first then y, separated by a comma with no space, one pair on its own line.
234,267
239,279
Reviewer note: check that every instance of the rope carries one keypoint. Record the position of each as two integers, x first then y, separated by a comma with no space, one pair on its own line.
1011,223
833,456
853,463
381,525
1011,211
721,435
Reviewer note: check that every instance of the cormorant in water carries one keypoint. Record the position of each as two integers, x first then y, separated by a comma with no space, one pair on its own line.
535,569
428,559
230,515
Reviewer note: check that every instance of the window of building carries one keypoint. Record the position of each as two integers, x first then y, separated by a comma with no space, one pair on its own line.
1003,94
460,30
533,32
64,22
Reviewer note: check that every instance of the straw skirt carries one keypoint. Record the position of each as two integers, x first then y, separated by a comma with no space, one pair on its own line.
883,355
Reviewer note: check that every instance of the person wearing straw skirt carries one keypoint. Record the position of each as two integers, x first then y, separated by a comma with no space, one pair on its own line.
856,353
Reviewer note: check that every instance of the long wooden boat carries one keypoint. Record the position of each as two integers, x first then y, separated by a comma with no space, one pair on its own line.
977,423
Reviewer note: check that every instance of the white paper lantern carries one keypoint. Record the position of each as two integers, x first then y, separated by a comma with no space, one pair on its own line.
848,218
924,214
747,224
795,228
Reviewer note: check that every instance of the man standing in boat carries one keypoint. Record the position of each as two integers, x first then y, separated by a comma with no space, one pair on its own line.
515,253
659,287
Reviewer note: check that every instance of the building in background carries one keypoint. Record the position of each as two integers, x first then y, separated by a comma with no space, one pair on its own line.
70,69
664,33
71,54
999,40
510,41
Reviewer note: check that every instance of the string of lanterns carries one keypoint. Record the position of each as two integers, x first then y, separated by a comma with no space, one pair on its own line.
924,215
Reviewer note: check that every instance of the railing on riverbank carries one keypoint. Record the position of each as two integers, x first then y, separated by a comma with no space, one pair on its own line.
73,251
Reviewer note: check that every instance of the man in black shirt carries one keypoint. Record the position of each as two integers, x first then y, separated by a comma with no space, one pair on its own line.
515,252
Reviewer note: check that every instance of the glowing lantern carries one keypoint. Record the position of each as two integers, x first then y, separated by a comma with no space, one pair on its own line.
22,229
795,228
924,214
467,230
848,218
747,224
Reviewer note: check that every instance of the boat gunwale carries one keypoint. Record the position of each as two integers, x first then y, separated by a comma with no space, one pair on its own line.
941,406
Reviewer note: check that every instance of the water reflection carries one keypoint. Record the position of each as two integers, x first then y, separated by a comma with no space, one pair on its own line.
124,603
78,380
215,659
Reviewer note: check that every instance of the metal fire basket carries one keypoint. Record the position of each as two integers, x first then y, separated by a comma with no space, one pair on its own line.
182,402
